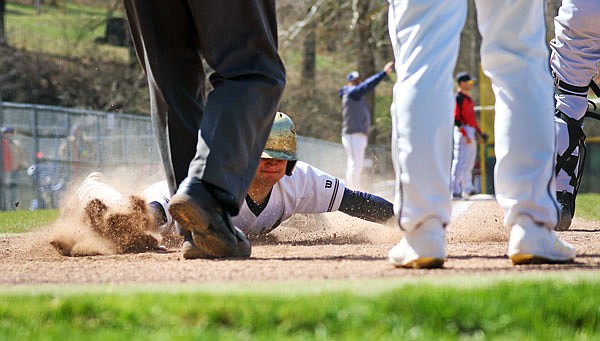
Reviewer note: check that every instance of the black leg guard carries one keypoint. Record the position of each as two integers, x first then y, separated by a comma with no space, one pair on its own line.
573,166
566,203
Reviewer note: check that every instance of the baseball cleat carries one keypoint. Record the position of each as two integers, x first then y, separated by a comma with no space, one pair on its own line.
191,251
457,196
531,243
213,233
422,248
565,212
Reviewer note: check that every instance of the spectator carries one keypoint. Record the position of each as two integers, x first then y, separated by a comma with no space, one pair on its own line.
44,175
13,160
78,150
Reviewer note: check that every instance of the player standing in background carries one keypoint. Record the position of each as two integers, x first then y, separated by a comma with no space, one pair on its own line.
356,120
574,62
466,136
425,35
210,144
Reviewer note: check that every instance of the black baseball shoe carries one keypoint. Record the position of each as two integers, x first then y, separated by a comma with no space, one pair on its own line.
197,210
566,210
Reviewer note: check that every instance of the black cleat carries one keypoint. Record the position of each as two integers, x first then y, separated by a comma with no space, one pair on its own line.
213,234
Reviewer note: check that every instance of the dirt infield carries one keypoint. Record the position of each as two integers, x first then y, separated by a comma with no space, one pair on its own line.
335,247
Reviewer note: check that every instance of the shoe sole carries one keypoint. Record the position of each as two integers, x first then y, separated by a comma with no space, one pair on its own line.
523,259
422,263
191,251
188,214
209,244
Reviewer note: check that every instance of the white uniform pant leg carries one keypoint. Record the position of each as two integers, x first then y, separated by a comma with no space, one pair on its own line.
470,156
574,60
355,145
425,36
458,161
515,57
576,50
94,187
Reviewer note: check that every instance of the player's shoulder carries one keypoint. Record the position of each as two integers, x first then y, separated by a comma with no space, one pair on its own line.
308,175
306,169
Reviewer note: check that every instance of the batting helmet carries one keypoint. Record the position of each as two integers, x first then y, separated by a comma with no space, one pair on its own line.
281,143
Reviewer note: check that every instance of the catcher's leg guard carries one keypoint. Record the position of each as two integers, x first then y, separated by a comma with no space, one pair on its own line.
571,161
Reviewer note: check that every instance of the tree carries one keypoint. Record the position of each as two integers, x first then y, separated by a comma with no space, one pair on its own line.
469,57
309,52
3,41
364,14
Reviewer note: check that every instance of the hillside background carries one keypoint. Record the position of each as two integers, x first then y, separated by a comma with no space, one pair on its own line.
57,52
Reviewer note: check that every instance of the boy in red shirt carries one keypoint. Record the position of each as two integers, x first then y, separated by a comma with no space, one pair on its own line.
466,134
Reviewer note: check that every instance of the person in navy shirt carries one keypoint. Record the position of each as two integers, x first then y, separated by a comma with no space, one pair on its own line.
356,120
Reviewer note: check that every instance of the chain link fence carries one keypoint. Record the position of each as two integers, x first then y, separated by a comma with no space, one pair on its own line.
44,148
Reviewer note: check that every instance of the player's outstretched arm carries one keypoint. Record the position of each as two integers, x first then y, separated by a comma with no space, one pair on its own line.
366,206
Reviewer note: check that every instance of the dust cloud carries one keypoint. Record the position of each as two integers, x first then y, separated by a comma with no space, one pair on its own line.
107,224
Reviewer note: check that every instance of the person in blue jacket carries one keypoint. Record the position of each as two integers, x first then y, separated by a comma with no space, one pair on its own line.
356,120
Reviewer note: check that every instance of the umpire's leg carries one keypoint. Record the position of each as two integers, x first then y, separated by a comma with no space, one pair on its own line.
239,41
164,35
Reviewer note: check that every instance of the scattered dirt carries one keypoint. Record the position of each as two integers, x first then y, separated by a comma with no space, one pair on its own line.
132,231
331,246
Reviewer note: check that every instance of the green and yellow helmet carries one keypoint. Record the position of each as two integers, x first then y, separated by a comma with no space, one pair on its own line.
281,143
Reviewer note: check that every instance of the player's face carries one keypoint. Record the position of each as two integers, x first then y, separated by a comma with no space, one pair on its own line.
270,171
467,86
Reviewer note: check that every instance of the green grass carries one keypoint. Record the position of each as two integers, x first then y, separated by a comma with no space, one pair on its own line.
588,206
24,220
525,309
67,32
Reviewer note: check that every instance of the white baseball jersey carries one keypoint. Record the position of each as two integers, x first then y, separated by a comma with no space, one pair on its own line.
514,55
307,190
574,60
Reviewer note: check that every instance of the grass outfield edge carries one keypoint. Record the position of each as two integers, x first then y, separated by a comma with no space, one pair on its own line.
291,288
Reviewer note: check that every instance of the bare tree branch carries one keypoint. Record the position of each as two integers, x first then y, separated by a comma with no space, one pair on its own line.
292,32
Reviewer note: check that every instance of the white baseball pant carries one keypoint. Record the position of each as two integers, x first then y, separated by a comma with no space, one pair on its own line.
463,160
574,60
425,37
354,145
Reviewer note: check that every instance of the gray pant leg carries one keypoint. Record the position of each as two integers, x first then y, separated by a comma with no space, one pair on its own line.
224,135
164,36
249,77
